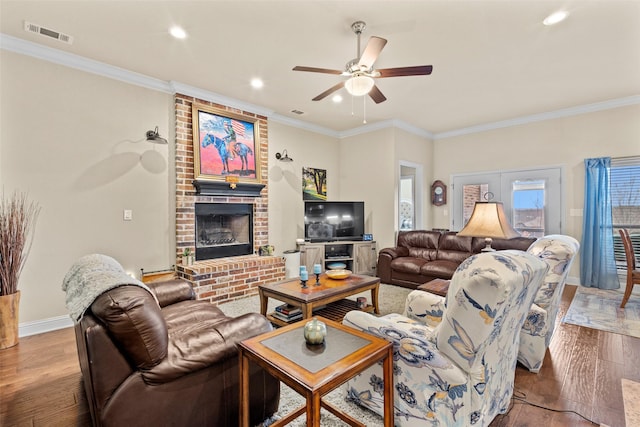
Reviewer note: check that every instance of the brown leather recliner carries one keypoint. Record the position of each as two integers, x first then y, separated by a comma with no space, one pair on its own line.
172,362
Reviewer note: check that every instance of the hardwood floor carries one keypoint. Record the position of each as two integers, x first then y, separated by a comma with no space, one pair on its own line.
40,382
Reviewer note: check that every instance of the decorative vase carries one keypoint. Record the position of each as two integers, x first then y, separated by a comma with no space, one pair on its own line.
315,331
9,307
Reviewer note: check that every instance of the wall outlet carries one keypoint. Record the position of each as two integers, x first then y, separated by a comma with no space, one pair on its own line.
127,215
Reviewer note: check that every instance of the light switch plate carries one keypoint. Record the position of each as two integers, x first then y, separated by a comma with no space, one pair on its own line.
127,215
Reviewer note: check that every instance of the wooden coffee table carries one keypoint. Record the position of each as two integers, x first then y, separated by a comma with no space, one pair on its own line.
330,294
314,371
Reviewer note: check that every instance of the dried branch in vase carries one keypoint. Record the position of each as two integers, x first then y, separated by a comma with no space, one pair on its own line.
17,221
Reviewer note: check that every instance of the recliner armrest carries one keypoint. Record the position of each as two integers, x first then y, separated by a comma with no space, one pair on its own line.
172,291
197,346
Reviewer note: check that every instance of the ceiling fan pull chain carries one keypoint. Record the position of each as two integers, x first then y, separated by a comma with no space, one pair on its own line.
364,109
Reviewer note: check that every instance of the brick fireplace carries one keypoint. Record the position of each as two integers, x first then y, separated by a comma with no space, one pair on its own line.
223,278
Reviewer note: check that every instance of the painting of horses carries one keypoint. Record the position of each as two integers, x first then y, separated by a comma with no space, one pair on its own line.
225,145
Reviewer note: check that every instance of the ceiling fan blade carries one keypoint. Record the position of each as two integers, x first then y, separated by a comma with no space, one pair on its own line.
371,52
376,95
419,70
329,91
316,70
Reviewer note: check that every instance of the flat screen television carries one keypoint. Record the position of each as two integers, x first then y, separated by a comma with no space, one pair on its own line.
330,221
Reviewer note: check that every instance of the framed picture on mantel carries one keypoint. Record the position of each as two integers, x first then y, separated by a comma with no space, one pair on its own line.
226,146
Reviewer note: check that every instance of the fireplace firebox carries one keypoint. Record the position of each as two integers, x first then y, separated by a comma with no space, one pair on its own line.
223,230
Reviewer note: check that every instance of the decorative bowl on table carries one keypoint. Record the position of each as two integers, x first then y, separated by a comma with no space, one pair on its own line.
338,274
337,266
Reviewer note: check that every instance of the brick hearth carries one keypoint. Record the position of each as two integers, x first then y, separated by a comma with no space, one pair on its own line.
222,279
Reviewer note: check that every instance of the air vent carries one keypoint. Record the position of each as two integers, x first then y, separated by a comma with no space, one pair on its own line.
47,32
298,112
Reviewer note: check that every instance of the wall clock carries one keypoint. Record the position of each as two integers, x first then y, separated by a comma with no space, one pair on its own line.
438,193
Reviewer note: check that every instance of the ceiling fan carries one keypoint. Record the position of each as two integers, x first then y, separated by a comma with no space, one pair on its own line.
361,72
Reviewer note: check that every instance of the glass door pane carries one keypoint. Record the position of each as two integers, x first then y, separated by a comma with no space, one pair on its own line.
528,207
469,189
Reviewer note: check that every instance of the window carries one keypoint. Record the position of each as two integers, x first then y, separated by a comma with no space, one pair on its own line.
625,203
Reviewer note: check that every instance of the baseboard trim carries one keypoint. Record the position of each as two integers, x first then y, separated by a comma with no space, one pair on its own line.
45,325
572,280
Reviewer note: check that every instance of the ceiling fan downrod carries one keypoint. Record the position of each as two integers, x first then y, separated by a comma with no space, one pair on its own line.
358,27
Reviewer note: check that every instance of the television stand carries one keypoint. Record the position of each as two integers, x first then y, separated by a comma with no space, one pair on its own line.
358,256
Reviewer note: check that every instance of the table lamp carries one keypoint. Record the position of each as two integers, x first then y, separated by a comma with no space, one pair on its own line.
488,220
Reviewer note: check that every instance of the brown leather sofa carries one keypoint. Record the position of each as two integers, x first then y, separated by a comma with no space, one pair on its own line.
420,255
172,362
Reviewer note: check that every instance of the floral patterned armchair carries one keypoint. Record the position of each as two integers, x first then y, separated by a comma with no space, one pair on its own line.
558,251
461,371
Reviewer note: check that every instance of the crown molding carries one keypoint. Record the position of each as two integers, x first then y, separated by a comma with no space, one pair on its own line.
24,47
300,124
565,112
177,87
57,56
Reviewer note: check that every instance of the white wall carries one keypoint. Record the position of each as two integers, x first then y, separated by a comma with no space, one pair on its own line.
418,150
73,141
286,207
370,170
560,142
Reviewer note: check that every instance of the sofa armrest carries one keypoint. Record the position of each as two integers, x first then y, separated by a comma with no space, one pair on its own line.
385,257
395,252
198,346
172,291
424,307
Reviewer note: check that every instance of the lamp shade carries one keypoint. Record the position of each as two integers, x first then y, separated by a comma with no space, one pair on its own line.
359,85
489,220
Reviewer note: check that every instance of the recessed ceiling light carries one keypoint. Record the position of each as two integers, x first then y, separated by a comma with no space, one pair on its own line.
555,17
256,83
337,99
178,33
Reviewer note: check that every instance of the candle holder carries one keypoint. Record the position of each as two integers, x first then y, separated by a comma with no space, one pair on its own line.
304,283
317,279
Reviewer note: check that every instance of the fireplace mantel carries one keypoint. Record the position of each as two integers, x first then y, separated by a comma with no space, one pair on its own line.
220,188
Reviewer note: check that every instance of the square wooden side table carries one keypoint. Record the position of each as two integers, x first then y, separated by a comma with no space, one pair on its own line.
436,286
314,371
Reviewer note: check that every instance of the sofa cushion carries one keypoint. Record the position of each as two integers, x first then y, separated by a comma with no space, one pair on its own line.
442,269
133,318
408,264
421,244
454,248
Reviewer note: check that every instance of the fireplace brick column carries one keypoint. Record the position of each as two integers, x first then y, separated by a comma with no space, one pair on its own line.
221,279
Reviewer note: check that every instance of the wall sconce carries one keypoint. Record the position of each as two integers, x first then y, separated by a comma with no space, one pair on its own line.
284,157
154,137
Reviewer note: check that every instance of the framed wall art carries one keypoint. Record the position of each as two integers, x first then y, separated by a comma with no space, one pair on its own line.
226,145
314,184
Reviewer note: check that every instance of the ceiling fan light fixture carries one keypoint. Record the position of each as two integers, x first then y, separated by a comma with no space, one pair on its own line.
359,85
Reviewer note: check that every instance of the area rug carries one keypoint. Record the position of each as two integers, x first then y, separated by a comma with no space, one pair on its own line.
600,309
391,300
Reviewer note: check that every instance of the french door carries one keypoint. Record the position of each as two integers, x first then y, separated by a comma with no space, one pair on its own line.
532,199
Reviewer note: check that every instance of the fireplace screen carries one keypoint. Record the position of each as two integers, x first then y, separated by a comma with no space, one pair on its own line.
223,230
